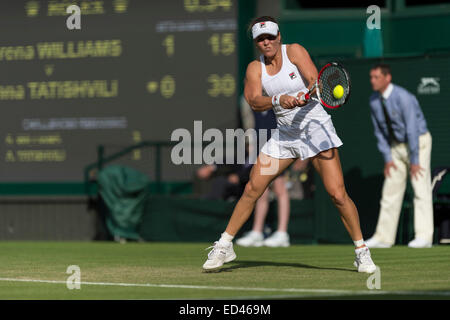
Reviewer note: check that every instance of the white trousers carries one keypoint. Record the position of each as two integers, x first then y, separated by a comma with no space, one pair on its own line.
394,190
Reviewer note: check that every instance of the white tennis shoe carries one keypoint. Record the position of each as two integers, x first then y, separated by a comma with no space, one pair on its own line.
374,243
277,239
251,239
219,255
419,243
363,261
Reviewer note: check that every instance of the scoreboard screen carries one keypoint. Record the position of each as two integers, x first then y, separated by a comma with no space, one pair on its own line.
112,72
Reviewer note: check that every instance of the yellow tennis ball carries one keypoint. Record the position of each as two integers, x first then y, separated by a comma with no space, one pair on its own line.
338,91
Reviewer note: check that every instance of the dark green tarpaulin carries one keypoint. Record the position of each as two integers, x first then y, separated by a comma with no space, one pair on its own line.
124,191
175,218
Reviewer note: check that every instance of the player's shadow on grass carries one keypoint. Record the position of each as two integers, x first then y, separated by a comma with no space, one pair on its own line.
252,264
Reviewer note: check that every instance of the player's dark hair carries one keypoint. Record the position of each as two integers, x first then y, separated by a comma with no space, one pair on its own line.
384,68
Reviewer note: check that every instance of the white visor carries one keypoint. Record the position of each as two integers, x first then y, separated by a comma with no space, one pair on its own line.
265,27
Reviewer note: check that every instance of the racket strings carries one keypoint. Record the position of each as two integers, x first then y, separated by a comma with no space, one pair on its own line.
330,78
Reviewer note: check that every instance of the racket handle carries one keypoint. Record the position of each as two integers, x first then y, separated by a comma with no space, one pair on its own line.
305,97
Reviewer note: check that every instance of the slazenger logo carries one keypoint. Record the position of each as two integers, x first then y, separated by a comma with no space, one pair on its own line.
429,86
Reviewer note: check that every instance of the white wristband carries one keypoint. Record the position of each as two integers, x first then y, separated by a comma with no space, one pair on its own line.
276,100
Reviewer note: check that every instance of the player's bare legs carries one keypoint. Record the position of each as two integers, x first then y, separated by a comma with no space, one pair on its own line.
263,172
262,206
261,209
255,238
280,238
328,166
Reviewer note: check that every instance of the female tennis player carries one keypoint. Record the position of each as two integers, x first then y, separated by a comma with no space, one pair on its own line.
304,130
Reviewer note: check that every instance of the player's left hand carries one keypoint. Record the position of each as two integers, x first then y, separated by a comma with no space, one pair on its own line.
288,102
415,171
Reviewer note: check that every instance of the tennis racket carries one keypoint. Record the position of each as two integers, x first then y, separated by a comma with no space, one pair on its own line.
330,76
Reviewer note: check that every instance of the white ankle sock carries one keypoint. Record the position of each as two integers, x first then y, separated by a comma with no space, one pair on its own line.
225,239
359,243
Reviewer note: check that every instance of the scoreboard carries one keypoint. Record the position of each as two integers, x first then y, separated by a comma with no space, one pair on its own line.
133,71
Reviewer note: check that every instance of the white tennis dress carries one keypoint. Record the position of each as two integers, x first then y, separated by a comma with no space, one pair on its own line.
302,132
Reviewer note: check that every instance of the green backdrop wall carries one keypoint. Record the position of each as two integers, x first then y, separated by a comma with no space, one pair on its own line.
361,161
339,32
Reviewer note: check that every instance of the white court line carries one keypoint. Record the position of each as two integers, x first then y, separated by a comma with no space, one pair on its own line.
327,292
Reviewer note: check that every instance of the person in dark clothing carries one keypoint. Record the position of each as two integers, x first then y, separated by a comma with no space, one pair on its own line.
222,181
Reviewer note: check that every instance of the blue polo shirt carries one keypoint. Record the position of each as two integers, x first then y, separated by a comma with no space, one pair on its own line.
408,121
